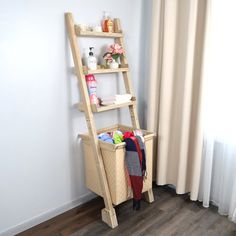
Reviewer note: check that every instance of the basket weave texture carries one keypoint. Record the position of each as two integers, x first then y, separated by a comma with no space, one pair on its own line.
114,163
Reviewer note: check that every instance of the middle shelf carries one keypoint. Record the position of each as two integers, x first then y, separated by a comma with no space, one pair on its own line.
95,108
100,70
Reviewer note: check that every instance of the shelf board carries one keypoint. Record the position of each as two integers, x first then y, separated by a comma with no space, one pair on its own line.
105,70
106,108
96,34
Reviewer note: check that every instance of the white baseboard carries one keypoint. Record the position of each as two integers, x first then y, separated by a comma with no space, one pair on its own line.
47,215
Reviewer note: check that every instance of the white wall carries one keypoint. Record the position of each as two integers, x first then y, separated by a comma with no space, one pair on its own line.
144,58
41,165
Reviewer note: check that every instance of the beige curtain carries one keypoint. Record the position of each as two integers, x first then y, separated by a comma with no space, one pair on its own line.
174,95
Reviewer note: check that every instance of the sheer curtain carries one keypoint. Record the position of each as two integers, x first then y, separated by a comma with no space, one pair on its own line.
218,176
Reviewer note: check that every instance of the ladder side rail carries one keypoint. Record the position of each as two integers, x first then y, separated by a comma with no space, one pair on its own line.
108,213
129,89
127,77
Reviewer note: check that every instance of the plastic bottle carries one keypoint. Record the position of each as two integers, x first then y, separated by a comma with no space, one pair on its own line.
92,88
107,23
91,60
105,17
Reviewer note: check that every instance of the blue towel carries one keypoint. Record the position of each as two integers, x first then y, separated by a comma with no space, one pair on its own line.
105,137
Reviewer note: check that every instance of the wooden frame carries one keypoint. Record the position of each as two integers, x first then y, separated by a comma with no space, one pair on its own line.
108,213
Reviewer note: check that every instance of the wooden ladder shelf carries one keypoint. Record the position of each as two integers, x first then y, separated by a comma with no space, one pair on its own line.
108,213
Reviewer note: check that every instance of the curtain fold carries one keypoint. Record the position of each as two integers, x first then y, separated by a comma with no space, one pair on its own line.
192,98
218,177
175,91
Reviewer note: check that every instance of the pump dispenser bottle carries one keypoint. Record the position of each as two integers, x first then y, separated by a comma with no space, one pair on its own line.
91,60
105,17
107,23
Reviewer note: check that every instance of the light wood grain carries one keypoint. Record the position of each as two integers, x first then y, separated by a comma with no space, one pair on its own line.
105,71
90,121
108,214
127,77
96,34
95,108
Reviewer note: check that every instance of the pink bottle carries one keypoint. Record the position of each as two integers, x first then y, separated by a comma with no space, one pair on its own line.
92,88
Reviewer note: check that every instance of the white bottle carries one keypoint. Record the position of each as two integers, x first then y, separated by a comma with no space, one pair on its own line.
91,60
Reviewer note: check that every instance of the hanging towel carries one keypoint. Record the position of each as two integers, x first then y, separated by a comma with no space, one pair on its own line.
136,165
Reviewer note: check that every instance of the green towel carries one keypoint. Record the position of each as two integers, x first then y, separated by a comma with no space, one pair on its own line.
118,137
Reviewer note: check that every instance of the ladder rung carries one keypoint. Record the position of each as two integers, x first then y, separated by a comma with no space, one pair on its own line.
124,68
81,33
106,108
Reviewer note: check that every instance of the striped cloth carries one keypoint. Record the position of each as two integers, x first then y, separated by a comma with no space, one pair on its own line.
136,164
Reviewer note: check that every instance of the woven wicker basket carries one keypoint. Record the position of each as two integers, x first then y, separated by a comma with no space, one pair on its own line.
114,163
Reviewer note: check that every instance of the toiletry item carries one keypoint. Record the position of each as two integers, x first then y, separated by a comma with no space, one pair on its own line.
83,27
109,26
97,28
105,17
92,88
91,60
107,23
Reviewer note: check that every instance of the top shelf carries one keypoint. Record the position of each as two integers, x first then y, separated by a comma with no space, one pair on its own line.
96,34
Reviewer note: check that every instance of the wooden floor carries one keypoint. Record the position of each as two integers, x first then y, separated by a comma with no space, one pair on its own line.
170,214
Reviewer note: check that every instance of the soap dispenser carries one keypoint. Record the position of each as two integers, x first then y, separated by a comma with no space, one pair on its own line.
91,60
107,23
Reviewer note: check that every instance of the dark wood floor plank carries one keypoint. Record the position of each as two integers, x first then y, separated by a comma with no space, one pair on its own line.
64,220
169,215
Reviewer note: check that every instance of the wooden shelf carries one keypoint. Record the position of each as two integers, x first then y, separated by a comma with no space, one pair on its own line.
96,34
106,108
105,70
98,169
